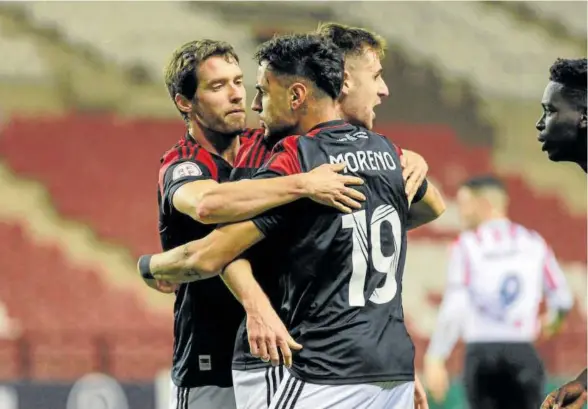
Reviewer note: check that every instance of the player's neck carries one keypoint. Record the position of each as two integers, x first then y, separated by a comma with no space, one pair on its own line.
225,146
324,110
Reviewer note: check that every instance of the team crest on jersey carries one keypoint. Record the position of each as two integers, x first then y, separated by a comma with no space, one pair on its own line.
186,169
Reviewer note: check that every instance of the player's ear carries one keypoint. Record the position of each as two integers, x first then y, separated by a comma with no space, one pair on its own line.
297,93
183,103
346,83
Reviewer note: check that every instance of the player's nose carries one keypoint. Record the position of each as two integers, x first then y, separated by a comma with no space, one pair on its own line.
540,125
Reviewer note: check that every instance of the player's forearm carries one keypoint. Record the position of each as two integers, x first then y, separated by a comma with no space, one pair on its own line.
245,199
183,264
239,279
448,327
428,209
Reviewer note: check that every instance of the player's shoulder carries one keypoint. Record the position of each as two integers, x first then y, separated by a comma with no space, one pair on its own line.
188,154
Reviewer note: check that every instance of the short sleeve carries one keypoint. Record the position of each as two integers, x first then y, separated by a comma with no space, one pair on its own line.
181,166
284,161
421,192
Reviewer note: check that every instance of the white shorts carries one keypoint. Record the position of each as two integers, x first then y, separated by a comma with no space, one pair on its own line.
202,397
296,394
255,388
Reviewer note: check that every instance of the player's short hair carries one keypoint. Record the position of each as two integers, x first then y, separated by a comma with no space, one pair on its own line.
307,56
353,40
180,71
483,182
571,73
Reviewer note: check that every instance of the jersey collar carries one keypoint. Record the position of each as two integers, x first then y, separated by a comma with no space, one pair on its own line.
328,124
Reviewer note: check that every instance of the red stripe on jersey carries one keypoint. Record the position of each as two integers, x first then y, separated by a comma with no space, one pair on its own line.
285,160
549,276
183,152
496,233
253,152
398,149
261,155
204,157
245,151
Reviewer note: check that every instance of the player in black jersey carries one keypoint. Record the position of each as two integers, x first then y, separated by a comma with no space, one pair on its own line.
205,82
563,133
255,381
294,95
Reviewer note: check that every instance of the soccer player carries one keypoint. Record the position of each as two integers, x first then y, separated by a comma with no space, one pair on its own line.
341,297
563,132
498,273
562,127
205,82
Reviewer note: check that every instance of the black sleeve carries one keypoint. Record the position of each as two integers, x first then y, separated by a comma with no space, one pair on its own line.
177,170
284,162
421,192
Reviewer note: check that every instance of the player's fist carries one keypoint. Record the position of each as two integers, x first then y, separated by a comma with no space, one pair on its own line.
325,185
162,286
572,395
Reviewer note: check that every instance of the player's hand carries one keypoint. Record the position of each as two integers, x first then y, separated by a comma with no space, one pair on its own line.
162,286
572,395
420,396
414,172
266,333
325,185
436,378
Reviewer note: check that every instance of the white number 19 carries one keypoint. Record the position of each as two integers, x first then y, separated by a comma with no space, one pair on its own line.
383,264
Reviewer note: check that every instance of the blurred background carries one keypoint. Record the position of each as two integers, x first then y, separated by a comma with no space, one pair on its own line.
85,117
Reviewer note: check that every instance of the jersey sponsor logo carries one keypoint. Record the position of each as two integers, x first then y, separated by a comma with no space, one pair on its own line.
204,363
365,160
186,169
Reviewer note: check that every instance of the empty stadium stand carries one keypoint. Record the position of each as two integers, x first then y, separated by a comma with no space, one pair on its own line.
71,318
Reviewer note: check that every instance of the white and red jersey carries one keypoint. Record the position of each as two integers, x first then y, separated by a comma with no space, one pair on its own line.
498,274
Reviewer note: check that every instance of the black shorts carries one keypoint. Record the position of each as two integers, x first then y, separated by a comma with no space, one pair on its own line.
503,376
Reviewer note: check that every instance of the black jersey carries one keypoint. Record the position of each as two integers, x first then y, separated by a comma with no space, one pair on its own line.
343,272
206,315
264,256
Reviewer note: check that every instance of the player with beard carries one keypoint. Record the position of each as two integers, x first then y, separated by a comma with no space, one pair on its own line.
363,89
206,84
294,95
563,131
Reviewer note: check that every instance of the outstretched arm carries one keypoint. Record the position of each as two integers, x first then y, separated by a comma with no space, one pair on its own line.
201,259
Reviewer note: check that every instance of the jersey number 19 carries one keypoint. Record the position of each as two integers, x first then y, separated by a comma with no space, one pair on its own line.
361,252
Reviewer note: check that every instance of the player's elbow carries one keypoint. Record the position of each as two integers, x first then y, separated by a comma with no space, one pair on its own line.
208,208
203,261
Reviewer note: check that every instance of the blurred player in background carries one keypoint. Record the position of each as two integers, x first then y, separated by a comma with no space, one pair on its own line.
563,133
497,276
310,86
206,84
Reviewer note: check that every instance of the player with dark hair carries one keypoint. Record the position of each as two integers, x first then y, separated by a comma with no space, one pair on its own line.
563,132
206,84
340,285
563,125
498,273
